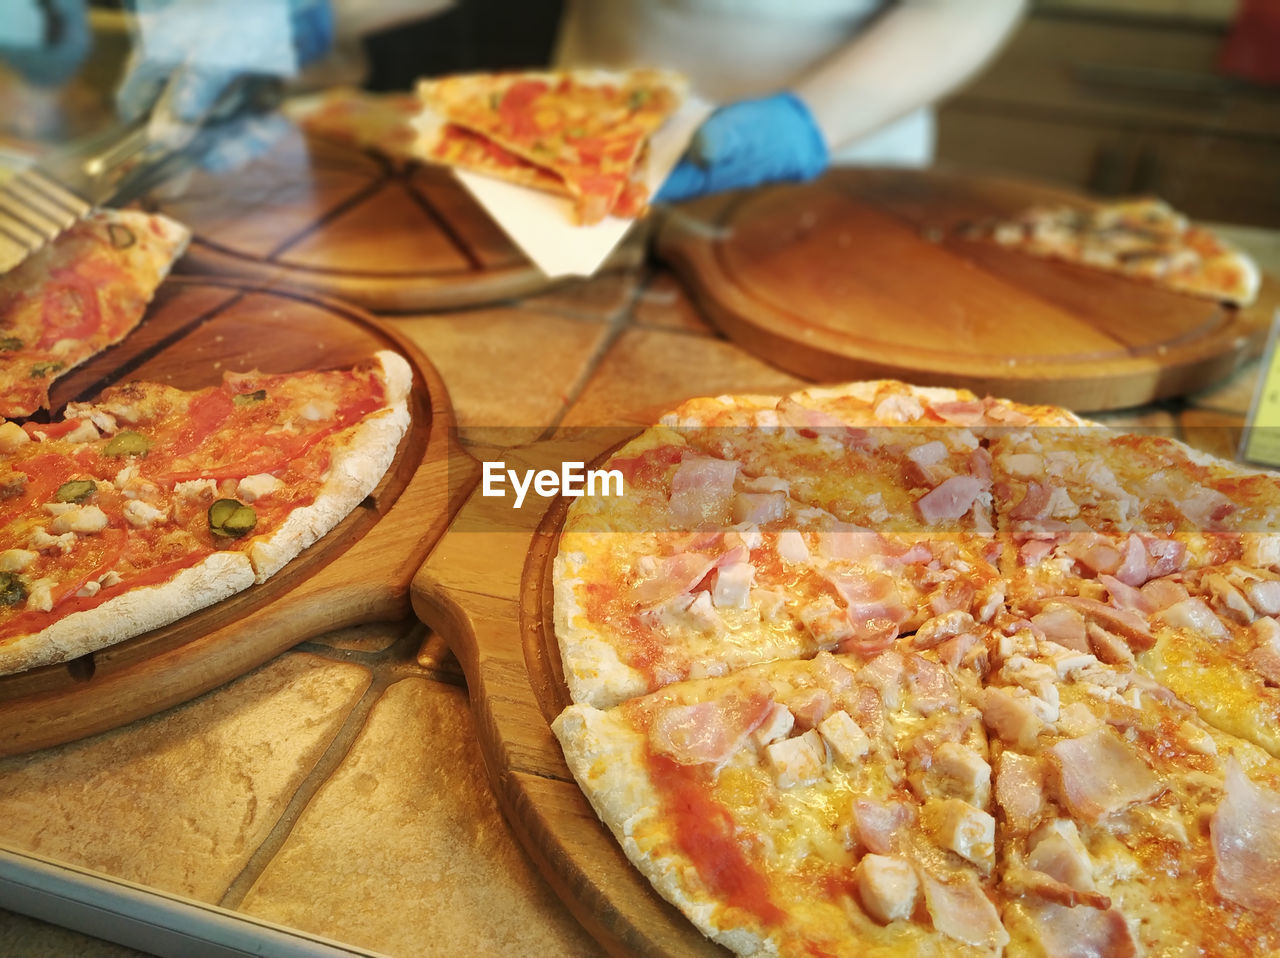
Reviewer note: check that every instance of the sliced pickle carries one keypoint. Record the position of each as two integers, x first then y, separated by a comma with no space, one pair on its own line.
231,518
127,443
76,490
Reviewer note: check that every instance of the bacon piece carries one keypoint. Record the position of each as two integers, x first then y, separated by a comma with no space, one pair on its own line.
875,609
1034,503
1021,880
1195,616
884,674
942,627
844,540
1263,595
950,500
1264,658
864,704
960,909
1056,850
811,706
1010,716
1099,774
1004,413
931,686
1063,625
1019,781
877,823
1227,599
1063,932
677,574
1122,622
702,490
813,422
1108,646
710,732
1161,593
1135,564
960,412
1094,552
1245,831
1167,555
953,595
954,650
759,507
1206,508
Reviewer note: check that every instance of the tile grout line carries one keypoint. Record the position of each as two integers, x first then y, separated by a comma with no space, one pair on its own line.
618,323
383,672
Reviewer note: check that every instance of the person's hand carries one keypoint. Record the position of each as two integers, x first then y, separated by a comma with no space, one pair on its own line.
748,143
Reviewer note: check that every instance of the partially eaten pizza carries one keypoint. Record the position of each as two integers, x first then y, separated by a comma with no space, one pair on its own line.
888,670
77,296
151,502
1145,238
583,134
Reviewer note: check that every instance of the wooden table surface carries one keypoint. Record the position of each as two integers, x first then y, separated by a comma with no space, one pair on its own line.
337,789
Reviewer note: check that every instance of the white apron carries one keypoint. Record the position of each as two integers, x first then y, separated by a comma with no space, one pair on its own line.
737,49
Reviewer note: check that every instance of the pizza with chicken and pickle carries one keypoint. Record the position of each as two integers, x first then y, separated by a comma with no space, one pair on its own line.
887,670
151,502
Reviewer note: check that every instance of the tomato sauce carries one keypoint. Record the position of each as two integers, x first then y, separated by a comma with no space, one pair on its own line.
705,834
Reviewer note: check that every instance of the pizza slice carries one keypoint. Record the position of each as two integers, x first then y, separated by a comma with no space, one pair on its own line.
378,122
75,297
701,569
587,128
1143,238
820,807
1085,502
153,502
1125,823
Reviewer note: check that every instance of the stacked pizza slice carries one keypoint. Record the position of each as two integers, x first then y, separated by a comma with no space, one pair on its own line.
579,134
882,670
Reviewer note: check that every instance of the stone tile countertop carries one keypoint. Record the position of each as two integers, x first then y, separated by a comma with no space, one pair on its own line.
337,789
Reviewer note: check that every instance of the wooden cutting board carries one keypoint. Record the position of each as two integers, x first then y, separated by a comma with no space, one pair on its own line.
359,572
486,589
329,217
862,274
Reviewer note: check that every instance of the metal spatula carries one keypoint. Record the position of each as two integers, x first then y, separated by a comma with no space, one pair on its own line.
39,203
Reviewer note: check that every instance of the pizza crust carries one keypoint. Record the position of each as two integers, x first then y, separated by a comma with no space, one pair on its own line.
355,470
606,757
214,578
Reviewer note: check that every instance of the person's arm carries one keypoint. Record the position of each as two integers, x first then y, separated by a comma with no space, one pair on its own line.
915,53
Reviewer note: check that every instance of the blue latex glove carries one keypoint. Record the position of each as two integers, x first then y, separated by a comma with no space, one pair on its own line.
744,144
45,42
225,53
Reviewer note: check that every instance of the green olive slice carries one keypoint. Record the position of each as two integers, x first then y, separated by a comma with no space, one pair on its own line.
127,443
231,518
12,590
248,399
75,490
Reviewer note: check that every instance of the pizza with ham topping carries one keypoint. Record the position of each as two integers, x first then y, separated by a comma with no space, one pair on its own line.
152,502
77,296
884,670
1145,239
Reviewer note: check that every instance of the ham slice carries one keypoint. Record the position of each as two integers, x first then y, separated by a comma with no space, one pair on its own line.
702,491
710,732
1099,773
1063,932
1167,555
960,412
1019,790
1122,622
1195,616
1063,625
677,574
1034,503
960,909
877,823
1135,564
813,422
1245,831
950,500
875,609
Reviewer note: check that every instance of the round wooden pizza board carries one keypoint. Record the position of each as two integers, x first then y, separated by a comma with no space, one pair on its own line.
486,589
360,572
864,274
332,218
